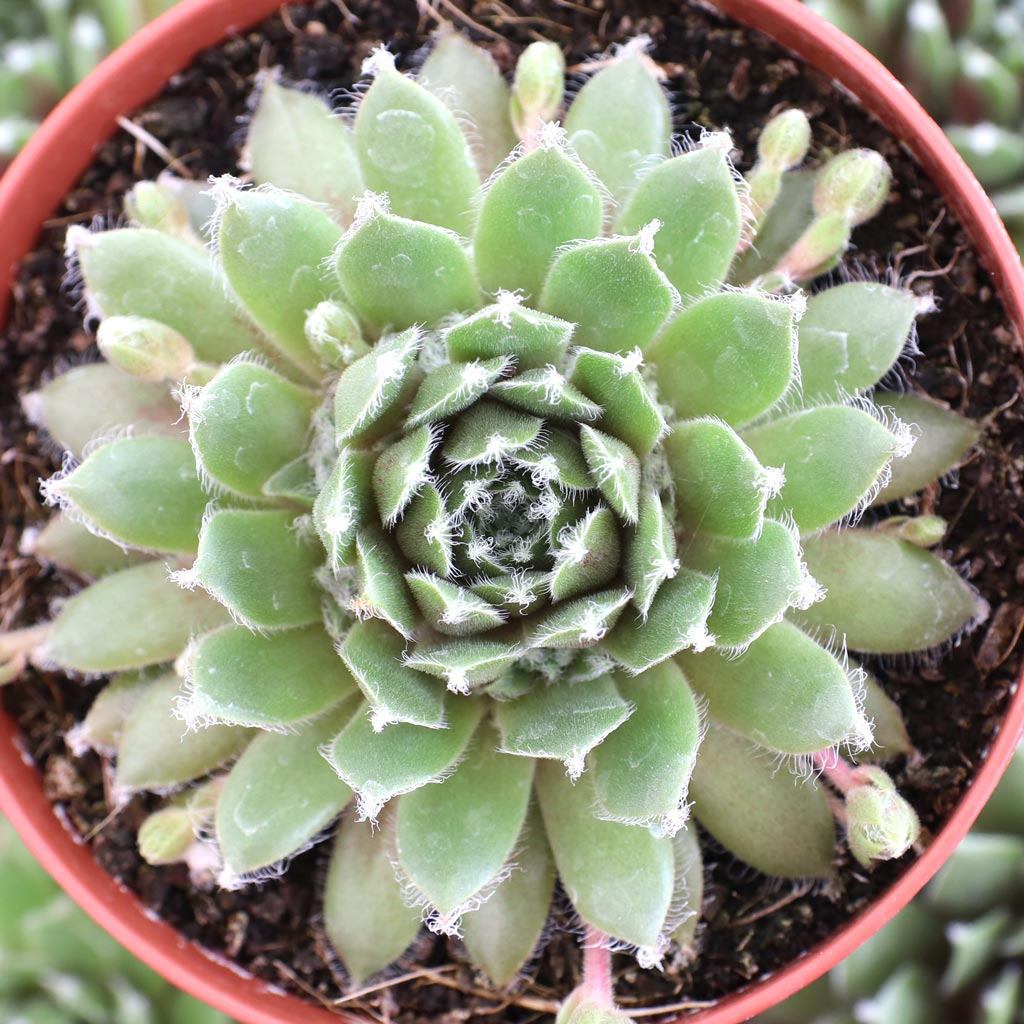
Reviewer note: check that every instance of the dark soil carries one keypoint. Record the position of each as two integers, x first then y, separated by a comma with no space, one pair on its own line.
970,359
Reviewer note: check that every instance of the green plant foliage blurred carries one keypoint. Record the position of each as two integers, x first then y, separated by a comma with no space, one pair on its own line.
964,60
46,46
58,967
954,955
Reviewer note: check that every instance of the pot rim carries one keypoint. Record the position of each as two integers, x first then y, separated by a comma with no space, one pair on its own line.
66,140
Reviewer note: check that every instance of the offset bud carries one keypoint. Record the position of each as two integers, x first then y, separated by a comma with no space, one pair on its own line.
538,87
922,531
146,349
166,835
785,140
334,335
880,824
853,185
152,204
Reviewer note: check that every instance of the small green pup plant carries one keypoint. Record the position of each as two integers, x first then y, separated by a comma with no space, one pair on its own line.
490,474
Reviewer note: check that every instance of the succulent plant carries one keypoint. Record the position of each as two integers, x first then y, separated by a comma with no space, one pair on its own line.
509,499
46,46
954,955
58,967
965,63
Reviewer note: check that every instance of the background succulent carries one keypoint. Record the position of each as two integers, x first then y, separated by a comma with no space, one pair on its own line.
965,63
57,967
954,955
47,46
505,501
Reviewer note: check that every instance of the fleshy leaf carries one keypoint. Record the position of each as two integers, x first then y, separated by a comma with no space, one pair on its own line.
777,824
851,336
535,340
92,400
454,387
248,423
411,147
618,877
401,471
344,504
890,737
541,201
269,237
425,533
650,552
397,692
129,619
383,593
272,682
469,82
466,662
758,580
279,795
619,121
922,604
784,692
562,722
286,122
832,457
381,765
721,488
642,770
944,438
157,750
546,393
694,196
141,491
450,608
612,290
399,272
629,410
365,913
587,555
102,726
580,622
503,932
560,459
260,567
676,620
69,545
616,469
730,355
689,897
454,838
489,433
117,267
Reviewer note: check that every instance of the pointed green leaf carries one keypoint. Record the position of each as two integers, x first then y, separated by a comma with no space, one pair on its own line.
689,886
466,79
453,839
91,401
295,481
885,595
695,197
547,393
490,433
102,726
141,491
450,608
158,750
676,620
517,593
129,619
619,878
832,457
248,423
619,121
398,693
373,385
266,238
117,267
401,471
454,387
777,824
379,765
383,593
69,545
616,469
260,567
650,552
851,336
730,355
580,622
539,202
399,272
559,460
334,334
784,692
279,796
343,505
365,913
721,488
503,932
535,340
425,533
562,722
288,121
273,681
890,737
943,439
587,556
642,770
466,662
411,147
612,290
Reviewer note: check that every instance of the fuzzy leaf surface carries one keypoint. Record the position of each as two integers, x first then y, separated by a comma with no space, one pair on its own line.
70,545
615,467
384,594
885,595
535,340
452,388
650,552
344,504
689,885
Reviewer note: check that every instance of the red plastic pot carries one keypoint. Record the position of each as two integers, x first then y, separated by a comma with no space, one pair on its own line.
49,166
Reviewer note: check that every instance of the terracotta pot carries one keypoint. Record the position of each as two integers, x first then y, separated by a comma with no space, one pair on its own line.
50,165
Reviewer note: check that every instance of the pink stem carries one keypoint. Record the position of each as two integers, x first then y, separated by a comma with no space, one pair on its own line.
841,774
596,986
